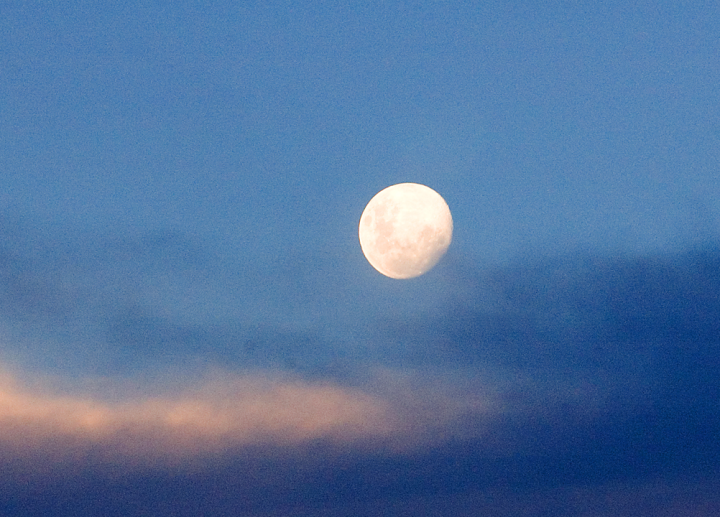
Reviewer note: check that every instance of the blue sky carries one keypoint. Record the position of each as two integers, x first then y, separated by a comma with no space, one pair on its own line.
184,302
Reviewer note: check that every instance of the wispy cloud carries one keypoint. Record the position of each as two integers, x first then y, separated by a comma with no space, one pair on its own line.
225,412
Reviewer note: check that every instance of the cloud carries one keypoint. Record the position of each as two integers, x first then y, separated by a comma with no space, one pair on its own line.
224,412
576,371
220,413
566,340
560,371
652,320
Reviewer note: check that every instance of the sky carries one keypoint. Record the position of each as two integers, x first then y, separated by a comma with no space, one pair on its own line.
188,325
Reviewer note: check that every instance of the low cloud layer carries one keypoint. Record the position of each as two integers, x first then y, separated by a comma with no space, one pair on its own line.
555,373
224,412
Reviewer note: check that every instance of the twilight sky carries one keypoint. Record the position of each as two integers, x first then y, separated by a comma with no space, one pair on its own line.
188,325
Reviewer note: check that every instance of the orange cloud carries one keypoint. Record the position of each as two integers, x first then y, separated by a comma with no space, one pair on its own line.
218,414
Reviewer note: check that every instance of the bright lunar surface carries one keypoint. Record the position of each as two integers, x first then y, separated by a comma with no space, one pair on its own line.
405,230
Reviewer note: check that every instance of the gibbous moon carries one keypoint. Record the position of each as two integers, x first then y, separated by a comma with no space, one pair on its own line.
405,230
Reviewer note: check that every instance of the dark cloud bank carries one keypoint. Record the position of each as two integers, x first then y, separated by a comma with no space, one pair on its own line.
607,370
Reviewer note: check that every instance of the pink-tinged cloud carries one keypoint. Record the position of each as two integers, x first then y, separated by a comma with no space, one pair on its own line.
222,413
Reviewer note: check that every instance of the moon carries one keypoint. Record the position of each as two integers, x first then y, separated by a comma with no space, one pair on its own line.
405,230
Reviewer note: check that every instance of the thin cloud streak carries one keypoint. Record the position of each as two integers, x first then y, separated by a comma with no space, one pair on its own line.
224,412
